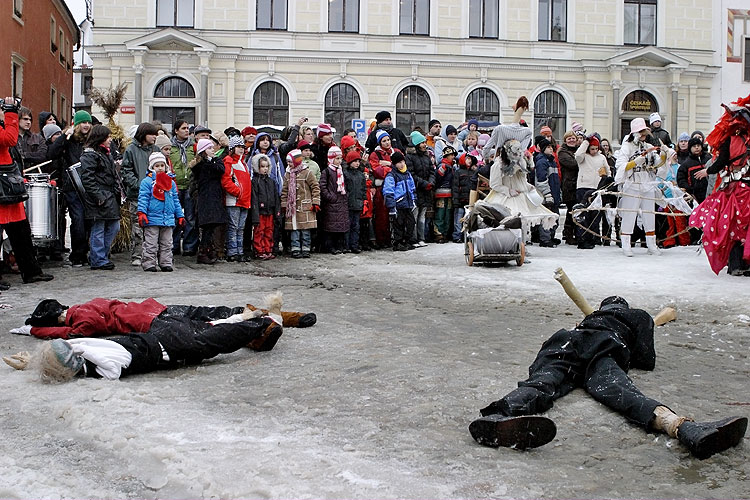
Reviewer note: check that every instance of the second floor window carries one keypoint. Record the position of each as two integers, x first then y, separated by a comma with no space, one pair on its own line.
483,18
640,22
271,15
553,20
343,15
178,13
414,17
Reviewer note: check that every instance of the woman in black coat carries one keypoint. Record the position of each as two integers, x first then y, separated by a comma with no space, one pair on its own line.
211,213
335,202
103,196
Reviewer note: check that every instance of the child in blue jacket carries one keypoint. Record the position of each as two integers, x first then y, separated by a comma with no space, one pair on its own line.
400,198
158,209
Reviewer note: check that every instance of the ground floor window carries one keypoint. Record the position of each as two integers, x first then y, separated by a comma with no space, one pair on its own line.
413,109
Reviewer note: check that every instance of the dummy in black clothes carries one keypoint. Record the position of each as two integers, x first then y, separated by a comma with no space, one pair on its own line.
596,356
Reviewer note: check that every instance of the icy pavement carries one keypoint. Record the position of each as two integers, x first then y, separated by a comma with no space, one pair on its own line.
375,400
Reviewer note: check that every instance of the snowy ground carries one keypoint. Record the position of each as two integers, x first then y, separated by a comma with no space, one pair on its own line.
375,400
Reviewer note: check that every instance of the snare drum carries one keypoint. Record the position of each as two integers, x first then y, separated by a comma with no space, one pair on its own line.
41,207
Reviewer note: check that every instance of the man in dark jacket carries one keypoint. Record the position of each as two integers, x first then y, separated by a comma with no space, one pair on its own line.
692,175
566,156
420,161
596,356
31,148
384,122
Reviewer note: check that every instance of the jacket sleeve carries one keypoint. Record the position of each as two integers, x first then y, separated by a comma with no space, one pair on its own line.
284,190
722,160
56,149
314,188
290,144
581,151
541,171
389,188
128,173
39,152
682,177
226,180
51,332
144,195
456,189
324,180
178,212
89,167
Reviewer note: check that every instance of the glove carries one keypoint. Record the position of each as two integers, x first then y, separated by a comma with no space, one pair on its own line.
142,219
18,361
639,160
22,330
548,198
428,187
316,208
180,222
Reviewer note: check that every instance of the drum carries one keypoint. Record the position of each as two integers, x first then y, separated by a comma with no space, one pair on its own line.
74,174
41,207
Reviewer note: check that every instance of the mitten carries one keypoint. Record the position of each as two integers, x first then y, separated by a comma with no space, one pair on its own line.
142,219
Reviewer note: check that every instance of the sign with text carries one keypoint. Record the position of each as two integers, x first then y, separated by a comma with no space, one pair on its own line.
360,127
127,110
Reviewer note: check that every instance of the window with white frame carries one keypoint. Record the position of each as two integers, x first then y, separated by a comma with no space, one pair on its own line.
483,18
551,110
179,13
413,108
271,15
341,106
482,104
271,104
640,22
16,77
553,20
52,35
414,17
343,16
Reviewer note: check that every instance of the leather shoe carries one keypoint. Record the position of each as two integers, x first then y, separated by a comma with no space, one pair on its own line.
106,267
39,277
526,431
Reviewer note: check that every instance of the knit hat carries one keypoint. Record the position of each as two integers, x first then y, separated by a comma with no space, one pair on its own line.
654,117
432,123
154,158
382,116
200,129
450,129
694,142
235,141
545,130
397,157
380,135
303,144
347,141
576,127
471,122
324,129
683,137
448,150
352,156
543,144
637,124
49,130
483,138
295,155
81,116
417,138
162,140
593,141
333,152
203,144
249,131
699,133
468,160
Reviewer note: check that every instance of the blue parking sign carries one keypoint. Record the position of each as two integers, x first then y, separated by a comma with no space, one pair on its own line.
360,127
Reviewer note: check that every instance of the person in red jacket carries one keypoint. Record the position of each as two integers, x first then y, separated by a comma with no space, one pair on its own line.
238,187
12,212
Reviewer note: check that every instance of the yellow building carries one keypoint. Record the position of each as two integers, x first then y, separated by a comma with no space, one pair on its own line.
232,62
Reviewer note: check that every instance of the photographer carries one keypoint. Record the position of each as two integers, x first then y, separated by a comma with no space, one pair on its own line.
12,194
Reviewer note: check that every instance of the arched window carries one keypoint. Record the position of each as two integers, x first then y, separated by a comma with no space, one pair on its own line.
483,105
271,105
413,109
342,106
550,109
174,86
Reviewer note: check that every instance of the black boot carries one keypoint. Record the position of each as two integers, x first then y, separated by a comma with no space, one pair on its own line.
706,438
528,431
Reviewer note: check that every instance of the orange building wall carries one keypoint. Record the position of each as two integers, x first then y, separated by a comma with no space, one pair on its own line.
42,69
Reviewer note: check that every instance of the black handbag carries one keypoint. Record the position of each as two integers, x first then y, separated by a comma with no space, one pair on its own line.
12,185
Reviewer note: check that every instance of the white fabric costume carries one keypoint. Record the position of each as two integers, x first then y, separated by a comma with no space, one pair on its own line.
509,188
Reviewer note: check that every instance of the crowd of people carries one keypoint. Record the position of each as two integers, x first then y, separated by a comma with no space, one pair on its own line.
238,195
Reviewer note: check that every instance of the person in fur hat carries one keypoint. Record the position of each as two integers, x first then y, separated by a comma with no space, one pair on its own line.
237,185
265,207
157,210
335,202
596,356
300,201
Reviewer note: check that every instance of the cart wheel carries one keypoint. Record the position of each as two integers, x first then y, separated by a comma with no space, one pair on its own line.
522,256
469,251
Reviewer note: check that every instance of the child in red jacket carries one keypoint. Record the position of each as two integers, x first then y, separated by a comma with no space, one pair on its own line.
238,187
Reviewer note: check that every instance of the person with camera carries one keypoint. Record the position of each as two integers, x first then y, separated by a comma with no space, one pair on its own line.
12,195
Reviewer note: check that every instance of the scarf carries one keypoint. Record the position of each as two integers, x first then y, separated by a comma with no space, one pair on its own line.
340,187
183,148
291,195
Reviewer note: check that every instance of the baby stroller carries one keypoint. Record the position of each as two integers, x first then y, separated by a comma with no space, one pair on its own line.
492,234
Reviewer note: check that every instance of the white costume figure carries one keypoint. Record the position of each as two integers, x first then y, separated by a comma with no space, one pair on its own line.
509,187
514,130
637,163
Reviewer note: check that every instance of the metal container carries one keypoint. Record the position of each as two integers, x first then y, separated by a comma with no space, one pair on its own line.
41,207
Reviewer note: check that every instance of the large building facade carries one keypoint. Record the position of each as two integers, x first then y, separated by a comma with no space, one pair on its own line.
230,62
38,38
